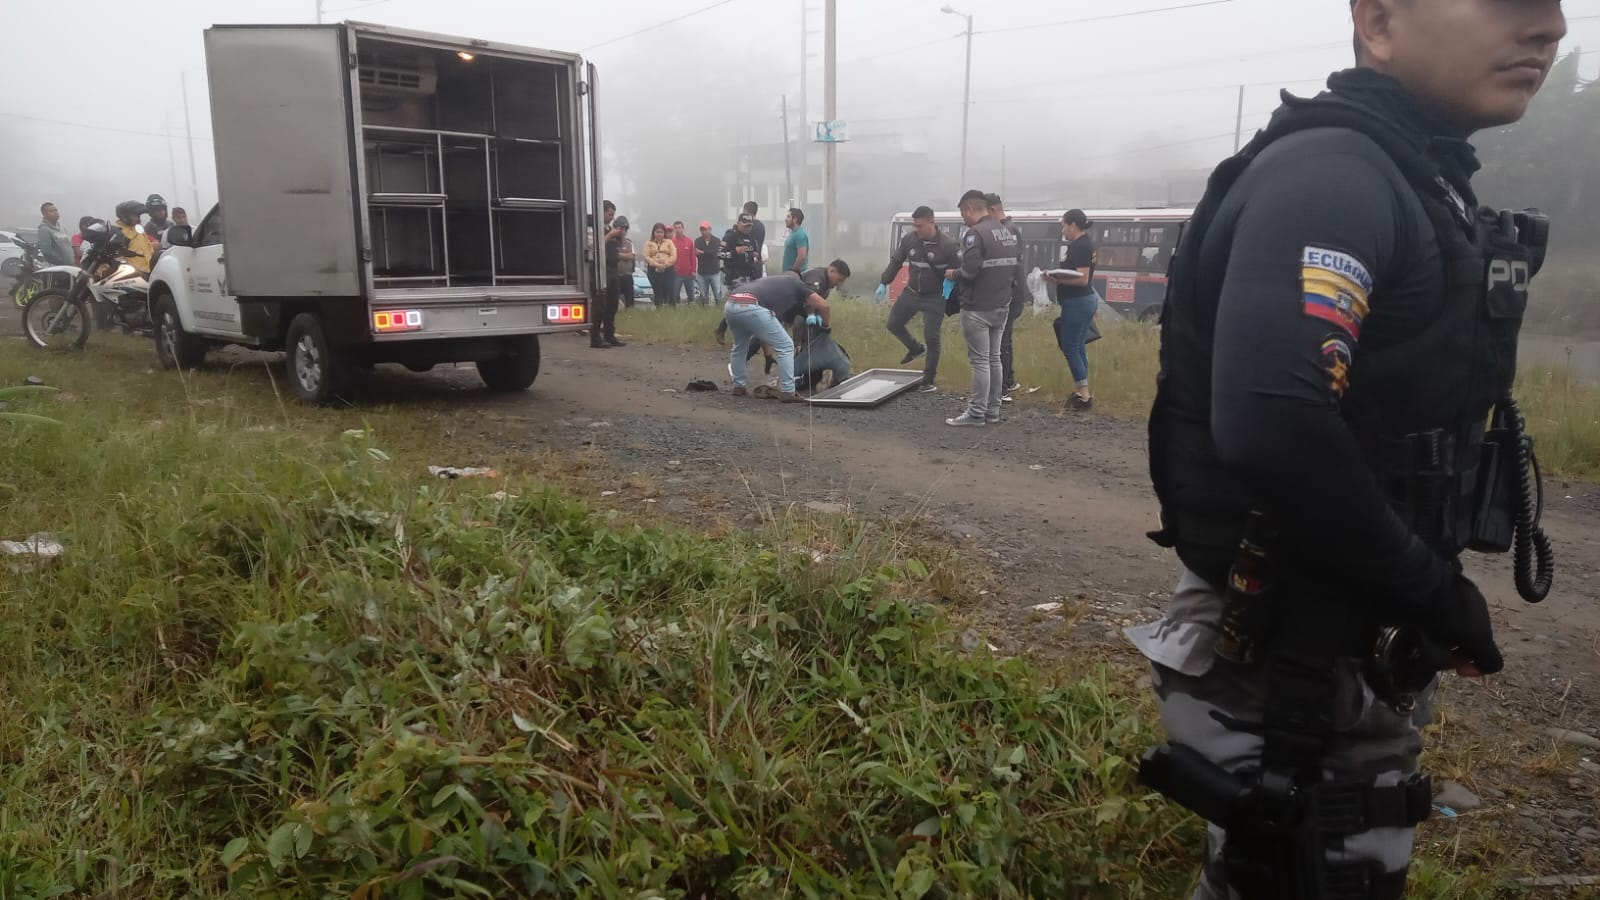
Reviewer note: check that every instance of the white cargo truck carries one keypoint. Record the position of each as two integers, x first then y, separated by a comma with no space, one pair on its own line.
390,196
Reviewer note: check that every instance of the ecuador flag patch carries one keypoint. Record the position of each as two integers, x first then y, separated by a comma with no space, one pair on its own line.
1335,287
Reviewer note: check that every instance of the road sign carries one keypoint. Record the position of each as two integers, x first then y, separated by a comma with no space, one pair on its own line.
833,132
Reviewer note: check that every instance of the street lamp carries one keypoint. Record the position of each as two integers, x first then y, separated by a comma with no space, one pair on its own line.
966,91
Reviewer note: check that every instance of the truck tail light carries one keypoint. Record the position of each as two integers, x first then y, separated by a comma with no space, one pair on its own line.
389,321
565,312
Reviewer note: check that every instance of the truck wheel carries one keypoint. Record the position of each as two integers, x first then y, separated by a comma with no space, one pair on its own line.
176,348
316,374
516,370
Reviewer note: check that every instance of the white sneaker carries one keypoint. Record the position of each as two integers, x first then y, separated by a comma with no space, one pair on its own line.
1006,398
928,389
965,421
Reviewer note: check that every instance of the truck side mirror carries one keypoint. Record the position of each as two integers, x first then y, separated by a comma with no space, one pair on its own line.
179,236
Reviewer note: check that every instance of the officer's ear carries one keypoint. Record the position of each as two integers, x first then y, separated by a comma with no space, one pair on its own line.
1373,21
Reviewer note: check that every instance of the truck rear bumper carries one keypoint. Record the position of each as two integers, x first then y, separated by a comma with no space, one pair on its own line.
406,319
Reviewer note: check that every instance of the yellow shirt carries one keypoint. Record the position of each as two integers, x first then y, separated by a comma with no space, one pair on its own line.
139,250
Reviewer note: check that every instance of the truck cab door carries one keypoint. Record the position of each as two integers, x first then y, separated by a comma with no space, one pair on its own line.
216,310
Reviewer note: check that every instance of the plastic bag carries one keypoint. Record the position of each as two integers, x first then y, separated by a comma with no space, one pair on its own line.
1040,289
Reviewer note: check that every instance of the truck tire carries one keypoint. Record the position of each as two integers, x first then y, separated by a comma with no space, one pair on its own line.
317,374
176,348
516,370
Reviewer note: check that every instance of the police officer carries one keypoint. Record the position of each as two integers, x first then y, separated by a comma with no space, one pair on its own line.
1341,321
1020,298
741,258
933,256
991,253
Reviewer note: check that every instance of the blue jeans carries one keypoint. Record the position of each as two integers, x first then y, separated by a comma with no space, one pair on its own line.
684,288
749,321
709,286
1072,328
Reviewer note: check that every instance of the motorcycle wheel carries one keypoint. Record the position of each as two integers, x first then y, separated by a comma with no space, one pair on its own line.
53,320
11,267
25,290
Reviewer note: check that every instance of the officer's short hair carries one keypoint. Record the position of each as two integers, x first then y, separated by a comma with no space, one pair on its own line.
750,208
799,216
922,212
1076,217
992,199
974,200
842,266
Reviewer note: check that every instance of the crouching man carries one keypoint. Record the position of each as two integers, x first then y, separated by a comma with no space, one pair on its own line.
755,312
816,355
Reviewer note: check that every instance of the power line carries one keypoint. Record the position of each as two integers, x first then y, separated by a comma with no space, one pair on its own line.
357,6
663,24
93,127
1168,67
1125,15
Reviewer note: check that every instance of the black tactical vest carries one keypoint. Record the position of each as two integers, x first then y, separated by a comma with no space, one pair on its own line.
1418,410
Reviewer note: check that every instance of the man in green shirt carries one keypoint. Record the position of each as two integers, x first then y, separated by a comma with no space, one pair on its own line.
798,245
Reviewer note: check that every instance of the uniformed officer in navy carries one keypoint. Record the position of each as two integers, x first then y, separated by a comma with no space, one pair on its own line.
932,256
1337,353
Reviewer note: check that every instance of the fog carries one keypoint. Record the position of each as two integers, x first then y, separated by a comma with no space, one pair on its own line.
1115,102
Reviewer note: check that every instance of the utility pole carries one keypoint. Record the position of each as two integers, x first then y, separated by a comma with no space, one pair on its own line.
788,169
966,93
805,109
830,112
1002,171
1238,121
319,11
172,158
188,127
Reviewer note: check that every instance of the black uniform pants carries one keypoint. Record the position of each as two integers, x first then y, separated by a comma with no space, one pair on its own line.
1009,371
603,323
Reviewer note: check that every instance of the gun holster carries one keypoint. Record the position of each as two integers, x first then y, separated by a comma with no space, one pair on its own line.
1494,514
1283,818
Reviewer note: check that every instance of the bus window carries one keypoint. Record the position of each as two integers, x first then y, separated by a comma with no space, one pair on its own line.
1121,234
1119,257
901,229
1033,232
1154,259
1162,235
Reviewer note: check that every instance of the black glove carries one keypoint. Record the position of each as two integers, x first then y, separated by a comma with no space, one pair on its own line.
1457,617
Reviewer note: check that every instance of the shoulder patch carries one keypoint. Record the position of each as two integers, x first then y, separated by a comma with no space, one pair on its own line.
1335,287
1336,357
972,238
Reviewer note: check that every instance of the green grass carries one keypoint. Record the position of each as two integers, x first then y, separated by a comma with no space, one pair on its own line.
277,660
1563,414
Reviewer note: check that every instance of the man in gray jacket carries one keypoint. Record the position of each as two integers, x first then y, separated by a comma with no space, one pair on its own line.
54,242
990,256
932,255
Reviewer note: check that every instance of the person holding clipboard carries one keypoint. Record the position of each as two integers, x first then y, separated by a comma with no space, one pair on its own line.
1074,282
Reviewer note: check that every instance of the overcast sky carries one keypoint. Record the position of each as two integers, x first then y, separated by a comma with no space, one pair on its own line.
95,83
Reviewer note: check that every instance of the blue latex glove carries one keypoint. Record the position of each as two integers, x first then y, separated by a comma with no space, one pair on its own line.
882,292
814,319
949,287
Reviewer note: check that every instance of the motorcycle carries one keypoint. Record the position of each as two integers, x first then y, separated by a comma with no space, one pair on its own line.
105,289
29,280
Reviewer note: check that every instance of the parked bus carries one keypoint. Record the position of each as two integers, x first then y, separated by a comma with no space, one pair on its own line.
1135,247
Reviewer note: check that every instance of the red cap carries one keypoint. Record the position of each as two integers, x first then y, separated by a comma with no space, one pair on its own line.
705,225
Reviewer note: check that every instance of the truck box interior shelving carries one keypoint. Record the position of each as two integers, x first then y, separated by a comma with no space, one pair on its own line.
470,178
